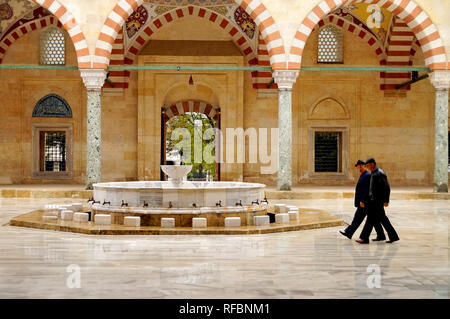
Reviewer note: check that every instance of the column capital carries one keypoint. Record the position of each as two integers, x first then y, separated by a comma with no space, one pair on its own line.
93,78
285,78
440,79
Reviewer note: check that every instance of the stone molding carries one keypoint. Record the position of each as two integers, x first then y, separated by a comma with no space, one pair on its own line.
285,78
440,79
93,79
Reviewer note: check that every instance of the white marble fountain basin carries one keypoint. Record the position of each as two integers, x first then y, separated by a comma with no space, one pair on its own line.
160,194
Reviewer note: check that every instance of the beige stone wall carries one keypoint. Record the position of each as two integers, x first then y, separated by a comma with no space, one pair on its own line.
396,131
20,90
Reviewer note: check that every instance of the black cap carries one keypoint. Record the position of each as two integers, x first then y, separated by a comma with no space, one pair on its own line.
371,160
359,162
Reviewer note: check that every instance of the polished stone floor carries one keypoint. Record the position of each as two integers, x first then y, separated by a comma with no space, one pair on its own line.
316,263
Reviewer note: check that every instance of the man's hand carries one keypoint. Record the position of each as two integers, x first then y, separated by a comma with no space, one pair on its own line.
386,204
361,204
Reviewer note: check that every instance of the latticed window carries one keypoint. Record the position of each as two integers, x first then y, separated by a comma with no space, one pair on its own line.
327,152
53,47
52,151
329,45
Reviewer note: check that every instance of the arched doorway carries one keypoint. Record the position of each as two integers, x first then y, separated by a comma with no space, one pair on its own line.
189,137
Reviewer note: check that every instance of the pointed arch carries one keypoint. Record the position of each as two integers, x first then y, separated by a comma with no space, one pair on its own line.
72,27
416,19
255,8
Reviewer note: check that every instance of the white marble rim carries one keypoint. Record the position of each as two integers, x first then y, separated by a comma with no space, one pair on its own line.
203,210
171,185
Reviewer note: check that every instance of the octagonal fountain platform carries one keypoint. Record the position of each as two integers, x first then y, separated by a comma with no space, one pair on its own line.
182,200
178,202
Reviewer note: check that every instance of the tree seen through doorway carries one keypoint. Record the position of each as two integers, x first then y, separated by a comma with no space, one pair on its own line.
196,124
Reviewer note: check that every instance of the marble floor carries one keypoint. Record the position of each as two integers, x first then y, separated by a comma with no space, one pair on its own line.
317,263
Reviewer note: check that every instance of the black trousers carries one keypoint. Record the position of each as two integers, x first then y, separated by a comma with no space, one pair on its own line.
360,214
377,215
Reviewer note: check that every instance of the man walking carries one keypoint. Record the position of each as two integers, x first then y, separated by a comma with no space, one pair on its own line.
361,199
379,193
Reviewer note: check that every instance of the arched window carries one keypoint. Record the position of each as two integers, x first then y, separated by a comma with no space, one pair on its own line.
53,47
329,48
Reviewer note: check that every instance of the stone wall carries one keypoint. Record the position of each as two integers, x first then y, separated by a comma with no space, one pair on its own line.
397,131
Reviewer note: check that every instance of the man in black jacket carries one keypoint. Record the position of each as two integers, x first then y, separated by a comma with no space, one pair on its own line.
379,193
361,198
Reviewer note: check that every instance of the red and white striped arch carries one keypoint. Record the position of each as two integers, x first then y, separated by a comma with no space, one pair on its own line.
24,29
211,111
70,24
366,36
416,19
145,34
254,8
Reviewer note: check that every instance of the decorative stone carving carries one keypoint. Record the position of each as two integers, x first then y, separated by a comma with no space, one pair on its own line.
285,78
93,79
136,20
440,79
329,109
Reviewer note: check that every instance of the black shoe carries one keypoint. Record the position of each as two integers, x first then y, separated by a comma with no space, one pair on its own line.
378,239
345,234
361,241
390,241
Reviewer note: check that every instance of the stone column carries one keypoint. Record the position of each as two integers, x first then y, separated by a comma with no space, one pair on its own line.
93,79
441,82
285,80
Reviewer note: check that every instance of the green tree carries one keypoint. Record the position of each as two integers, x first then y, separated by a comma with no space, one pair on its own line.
188,121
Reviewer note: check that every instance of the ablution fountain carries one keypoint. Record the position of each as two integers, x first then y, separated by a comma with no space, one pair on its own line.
180,199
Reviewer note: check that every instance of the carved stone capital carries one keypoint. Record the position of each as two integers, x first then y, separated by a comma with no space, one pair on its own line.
285,78
440,79
93,79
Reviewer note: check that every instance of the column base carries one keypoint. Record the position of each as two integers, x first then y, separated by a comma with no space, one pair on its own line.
284,187
442,188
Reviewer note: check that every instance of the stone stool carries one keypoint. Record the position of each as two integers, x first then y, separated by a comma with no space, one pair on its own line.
280,208
49,218
77,207
168,222
291,207
293,214
282,218
102,219
232,221
261,220
133,221
81,217
198,222
66,215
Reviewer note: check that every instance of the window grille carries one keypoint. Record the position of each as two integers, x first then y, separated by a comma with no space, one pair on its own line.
329,45
53,151
327,152
53,47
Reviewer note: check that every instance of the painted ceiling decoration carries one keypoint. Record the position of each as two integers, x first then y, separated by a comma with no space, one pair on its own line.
136,21
13,10
245,22
38,13
153,9
348,15
191,2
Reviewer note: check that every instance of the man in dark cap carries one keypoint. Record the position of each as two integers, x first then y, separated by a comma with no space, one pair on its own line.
379,193
361,198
